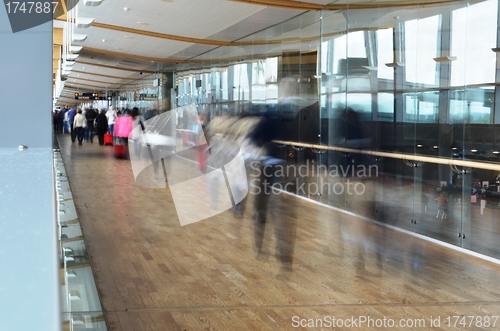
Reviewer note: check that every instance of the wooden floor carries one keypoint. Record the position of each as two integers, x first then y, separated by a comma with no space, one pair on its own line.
314,264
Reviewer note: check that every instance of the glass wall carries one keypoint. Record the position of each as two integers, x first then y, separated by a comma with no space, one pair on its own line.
390,112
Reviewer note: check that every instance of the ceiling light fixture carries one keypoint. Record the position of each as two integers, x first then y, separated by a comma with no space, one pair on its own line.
447,58
79,37
395,64
84,22
126,8
92,3
75,49
142,23
71,57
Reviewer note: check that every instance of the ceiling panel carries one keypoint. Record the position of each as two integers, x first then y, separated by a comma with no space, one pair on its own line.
193,18
120,59
117,41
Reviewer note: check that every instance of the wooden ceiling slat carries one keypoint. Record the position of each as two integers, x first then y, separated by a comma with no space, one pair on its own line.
341,5
285,4
161,35
132,56
107,76
116,68
92,80
58,36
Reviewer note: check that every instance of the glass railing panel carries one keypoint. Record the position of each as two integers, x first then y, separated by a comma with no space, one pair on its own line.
480,212
84,321
438,212
80,301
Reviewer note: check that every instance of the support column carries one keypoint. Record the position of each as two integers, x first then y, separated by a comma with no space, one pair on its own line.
166,88
29,259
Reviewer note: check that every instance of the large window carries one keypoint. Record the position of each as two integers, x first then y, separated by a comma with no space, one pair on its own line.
421,41
351,45
241,88
385,53
421,107
474,31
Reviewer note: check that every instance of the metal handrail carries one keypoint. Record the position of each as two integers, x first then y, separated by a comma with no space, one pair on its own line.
397,155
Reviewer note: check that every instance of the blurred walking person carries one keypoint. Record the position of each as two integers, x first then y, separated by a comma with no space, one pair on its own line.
101,125
79,125
90,115
71,116
111,115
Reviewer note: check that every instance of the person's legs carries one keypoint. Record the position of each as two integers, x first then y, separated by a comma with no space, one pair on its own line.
111,128
100,135
90,137
73,133
80,133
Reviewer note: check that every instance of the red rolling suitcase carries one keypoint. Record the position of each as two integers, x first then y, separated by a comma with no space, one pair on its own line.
108,139
121,149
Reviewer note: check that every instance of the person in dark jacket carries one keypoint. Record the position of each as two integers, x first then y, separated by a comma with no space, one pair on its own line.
274,124
71,116
101,126
91,115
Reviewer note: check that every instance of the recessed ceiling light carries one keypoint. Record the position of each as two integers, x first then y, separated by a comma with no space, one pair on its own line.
142,23
128,37
83,67
126,8
104,40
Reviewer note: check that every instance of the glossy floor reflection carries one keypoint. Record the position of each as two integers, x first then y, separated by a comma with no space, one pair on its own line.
305,265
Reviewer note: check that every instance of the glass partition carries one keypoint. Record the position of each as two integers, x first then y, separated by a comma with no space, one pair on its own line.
383,106
81,306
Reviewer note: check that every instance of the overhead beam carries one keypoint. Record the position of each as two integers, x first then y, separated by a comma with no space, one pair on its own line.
285,4
107,76
91,86
116,68
61,10
161,35
298,5
132,56
58,36
95,81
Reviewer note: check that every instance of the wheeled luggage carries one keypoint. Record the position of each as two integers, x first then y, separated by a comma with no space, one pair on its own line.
108,139
121,149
